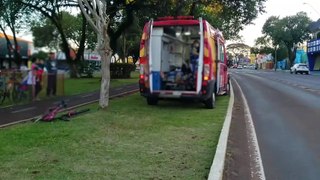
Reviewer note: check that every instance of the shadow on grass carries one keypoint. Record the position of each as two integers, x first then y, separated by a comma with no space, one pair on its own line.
183,104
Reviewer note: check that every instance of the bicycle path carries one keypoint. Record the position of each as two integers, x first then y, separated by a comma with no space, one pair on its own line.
21,113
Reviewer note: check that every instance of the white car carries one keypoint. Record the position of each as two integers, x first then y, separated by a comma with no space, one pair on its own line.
300,68
239,67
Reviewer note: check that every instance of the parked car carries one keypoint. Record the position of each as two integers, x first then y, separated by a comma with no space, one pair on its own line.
239,67
300,68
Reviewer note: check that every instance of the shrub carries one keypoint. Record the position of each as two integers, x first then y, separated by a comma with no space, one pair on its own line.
121,70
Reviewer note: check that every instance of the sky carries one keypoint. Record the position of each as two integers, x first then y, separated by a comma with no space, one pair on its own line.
280,8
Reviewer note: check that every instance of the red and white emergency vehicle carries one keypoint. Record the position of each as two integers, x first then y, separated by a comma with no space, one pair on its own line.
167,68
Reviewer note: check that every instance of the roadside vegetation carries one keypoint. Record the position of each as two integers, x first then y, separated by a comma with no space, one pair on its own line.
173,140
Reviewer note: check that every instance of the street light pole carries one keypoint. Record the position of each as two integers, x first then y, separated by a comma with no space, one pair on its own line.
275,57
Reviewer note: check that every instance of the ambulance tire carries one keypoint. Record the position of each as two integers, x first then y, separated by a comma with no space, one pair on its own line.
211,102
228,88
152,100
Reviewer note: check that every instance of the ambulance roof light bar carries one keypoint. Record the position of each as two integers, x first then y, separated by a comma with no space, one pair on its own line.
173,18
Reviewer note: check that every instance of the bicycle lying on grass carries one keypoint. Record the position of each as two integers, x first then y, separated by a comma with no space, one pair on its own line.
52,113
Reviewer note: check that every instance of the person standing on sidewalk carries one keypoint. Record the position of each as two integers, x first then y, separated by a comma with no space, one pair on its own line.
30,80
51,66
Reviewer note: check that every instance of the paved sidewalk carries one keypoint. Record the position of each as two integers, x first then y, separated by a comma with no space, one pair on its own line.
20,113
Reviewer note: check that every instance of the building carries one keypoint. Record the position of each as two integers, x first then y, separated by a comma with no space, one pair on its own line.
313,46
24,48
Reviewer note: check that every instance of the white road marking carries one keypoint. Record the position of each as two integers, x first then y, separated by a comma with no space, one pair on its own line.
216,170
257,171
23,110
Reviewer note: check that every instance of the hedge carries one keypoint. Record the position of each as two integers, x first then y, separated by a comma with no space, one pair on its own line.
121,70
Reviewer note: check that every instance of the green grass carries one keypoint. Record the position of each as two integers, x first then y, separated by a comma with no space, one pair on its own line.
129,140
82,85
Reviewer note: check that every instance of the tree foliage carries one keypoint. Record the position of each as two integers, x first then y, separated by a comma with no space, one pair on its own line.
53,10
288,31
229,16
46,34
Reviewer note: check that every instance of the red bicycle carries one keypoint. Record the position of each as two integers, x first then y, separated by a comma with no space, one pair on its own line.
52,113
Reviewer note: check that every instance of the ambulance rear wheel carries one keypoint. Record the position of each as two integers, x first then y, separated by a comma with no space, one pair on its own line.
210,103
152,100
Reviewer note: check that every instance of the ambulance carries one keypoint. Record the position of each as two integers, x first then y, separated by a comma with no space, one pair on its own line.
172,66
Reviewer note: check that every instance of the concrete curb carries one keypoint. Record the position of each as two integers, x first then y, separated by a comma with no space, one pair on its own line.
217,167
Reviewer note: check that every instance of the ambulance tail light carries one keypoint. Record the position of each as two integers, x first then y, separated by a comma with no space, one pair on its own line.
206,72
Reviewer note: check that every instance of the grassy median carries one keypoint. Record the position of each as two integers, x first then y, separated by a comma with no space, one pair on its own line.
83,85
129,140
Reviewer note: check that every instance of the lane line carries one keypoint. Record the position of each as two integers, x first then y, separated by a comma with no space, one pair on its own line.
23,110
257,170
217,167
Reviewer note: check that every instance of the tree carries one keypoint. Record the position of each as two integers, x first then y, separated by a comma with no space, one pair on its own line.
46,35
129,42
12,16
289,30
95,13
263,45
53,10
228,16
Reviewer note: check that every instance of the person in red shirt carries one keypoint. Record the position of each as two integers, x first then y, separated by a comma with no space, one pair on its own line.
39,71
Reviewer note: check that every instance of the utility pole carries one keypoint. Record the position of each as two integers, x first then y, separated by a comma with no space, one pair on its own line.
275,57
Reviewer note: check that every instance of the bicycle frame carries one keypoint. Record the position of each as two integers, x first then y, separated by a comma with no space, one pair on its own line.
51,115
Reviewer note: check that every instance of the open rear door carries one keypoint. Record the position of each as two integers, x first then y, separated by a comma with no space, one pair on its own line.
222,75
150,53
200,61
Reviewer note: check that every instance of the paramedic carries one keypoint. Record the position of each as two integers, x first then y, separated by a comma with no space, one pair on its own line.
51,67
194,55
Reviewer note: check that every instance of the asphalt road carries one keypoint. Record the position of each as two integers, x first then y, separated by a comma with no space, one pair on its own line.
19,113
285,109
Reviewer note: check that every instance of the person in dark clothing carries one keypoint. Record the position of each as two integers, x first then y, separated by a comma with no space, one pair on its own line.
194,55
51,66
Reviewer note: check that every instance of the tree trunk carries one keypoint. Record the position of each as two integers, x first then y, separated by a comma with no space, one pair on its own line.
105,79
105,53
17,55
291,54
66,49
